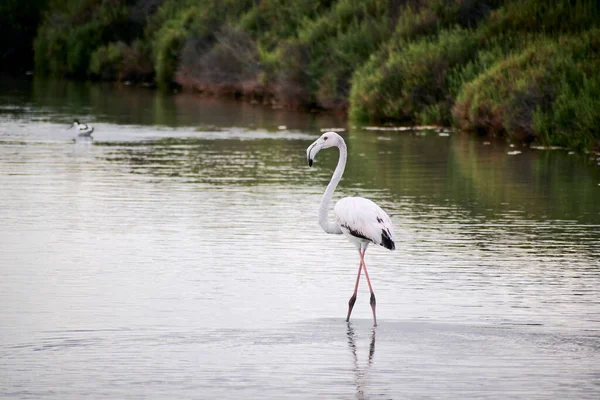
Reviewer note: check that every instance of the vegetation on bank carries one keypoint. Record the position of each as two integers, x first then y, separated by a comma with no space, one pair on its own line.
523,69
19,21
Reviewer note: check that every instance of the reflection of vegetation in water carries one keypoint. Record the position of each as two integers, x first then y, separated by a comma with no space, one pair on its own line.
219,162
390,167
121,104
64,100
541,184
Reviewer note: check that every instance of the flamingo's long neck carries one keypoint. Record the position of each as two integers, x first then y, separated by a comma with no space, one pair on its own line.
332,227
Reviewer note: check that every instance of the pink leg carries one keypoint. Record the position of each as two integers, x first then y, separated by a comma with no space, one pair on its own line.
372,301
353,298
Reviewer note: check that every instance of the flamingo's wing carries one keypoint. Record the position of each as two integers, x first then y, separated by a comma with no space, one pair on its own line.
365,219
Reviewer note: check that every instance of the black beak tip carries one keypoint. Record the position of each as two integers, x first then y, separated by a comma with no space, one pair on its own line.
310,161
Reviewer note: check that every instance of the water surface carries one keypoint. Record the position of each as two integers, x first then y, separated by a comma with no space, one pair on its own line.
177,254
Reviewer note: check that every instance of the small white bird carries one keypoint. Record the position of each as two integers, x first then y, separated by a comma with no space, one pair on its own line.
82,129
359,219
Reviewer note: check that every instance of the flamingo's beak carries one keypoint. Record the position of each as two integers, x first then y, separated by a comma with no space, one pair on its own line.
312,151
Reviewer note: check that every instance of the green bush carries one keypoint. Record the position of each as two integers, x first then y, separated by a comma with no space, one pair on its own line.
294,85
166,54
412,84
547,93
81,43
50,51
226,65
137,63
414,76
106,61
544,17
177,22
72,31
271,21
122,62
574,117
338,42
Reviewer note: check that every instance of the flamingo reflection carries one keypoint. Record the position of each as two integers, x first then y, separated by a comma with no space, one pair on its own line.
360,374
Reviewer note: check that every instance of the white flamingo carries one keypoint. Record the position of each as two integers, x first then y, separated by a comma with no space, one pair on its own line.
359,219
82,129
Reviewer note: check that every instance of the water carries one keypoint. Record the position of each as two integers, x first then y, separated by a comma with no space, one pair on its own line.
177,255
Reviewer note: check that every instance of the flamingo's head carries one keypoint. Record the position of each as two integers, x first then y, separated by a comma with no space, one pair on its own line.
328,139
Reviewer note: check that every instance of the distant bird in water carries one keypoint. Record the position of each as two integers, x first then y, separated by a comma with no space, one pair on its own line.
82,129
359,219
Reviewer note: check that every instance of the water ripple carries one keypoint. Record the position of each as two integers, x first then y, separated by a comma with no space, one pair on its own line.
173,262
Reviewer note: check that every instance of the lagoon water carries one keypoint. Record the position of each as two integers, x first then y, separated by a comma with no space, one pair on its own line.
177,254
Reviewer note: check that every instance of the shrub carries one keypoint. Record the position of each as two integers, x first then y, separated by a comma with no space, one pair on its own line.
271,21
118,61
546,17
544,92
412,84
137,63
574,117
294,85
50,50
413,77
507,94
166,54
336,43
81,42
223,66
72,31
177,21
106,61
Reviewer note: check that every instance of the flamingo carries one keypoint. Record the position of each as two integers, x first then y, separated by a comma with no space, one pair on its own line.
360,220
82,129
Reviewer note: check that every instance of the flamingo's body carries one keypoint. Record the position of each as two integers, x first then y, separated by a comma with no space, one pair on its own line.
82,129
364,222
359,219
